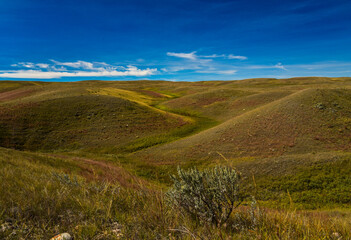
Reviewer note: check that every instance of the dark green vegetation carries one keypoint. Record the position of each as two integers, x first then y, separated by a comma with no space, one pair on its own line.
80,157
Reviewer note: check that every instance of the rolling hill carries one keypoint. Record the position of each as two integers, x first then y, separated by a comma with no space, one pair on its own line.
308,120
84,156
70,118
159,121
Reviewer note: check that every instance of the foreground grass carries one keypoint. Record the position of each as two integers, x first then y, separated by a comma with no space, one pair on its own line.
305,181
314,187
38,200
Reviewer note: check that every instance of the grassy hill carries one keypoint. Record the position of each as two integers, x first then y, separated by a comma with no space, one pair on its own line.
101,152
306,121
74,118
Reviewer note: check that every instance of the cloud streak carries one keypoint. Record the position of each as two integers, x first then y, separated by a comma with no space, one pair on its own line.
219,72
202,64
277,66
32,74
80,69
191,56
231,56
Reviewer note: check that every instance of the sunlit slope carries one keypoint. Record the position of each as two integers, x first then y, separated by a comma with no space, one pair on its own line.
83,121
223,103
228,99
291,83
306,121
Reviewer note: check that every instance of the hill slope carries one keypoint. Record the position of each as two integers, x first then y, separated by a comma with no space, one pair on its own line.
80,121
63,116
223,104
308,120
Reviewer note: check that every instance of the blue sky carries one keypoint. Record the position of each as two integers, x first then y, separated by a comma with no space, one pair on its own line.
173,40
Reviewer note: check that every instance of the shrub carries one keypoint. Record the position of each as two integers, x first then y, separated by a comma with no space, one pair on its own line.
210,195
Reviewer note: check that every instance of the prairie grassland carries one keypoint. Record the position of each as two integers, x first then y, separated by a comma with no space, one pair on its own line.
310,120
38,200
93,158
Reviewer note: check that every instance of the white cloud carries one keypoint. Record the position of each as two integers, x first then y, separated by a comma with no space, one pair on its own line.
32,65
229,72
82,69
77,64
57,69
42,65
221,72
204,64
278,66
94,66
24,64
214,56
191,56
231,56
50,74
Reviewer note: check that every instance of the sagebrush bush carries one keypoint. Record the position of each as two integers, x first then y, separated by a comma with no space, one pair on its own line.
210,195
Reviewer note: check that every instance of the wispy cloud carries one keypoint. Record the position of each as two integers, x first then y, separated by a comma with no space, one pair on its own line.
191,56
204,64
73,69
277,66
43,65
214,56
24,64
231,56
194,56
180,67
77,64
280,66
49,75
220,72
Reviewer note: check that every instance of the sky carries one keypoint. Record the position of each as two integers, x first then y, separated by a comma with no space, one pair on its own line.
176,40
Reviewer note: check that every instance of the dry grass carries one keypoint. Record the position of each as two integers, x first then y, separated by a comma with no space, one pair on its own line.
110,147
38,200
293,124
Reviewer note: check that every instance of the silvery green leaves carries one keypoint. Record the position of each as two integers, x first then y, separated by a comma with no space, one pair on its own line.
210,195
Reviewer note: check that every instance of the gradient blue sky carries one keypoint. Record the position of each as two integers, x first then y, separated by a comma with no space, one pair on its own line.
173,40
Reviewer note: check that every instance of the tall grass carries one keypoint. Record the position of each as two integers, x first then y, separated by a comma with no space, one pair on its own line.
38,200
